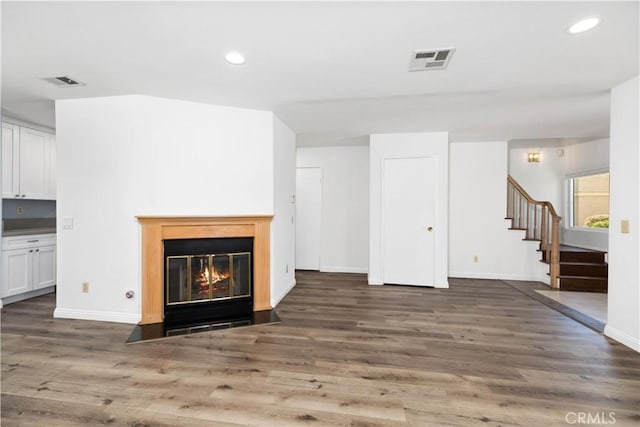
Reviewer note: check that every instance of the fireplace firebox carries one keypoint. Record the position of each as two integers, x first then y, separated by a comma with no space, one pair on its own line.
208,280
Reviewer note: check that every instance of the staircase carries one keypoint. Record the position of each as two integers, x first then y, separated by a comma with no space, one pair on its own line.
582,269
570,268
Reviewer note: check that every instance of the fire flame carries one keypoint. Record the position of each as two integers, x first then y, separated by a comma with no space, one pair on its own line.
218,276
210,276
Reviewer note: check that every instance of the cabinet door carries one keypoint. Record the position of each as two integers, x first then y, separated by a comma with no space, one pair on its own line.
10,160
34,164
44,267
16,271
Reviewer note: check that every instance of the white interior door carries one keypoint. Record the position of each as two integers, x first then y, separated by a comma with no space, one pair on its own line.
408,221
308,217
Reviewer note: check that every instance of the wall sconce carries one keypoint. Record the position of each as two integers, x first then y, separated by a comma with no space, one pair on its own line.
533,157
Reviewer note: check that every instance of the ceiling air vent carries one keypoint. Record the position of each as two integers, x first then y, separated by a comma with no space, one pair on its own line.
430,59
64,81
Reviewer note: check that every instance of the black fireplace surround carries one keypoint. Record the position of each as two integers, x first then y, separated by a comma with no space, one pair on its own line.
207,280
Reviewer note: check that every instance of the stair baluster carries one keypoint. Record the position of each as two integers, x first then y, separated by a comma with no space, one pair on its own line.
544,227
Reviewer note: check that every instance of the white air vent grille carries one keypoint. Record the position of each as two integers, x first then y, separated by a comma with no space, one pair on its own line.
430,59
63,81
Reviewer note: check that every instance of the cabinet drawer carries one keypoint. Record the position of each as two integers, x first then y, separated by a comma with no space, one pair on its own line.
24,242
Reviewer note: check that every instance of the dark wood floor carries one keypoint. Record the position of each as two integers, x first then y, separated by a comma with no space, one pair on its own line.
479,353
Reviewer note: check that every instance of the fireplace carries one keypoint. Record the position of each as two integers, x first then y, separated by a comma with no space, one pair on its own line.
158,230
208,279
237,274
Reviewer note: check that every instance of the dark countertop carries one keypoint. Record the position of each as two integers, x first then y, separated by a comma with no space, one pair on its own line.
28,231
28,226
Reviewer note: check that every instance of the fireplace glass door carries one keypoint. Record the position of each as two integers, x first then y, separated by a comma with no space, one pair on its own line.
213,277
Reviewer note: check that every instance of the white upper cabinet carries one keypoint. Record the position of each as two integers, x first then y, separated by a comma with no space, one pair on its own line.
27,163
10,150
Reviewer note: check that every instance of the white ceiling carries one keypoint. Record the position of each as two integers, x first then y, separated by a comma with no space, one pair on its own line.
334,70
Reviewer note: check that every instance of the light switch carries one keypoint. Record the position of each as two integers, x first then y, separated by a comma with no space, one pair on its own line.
624,226
67,223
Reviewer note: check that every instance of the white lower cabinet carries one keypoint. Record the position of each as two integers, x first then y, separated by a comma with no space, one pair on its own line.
17,272
44,267
28,263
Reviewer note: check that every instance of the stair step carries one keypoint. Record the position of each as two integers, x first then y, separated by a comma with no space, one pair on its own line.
516,228
581,283
574,256
584,269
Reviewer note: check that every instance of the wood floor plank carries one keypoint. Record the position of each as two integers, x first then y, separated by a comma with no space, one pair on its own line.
345,354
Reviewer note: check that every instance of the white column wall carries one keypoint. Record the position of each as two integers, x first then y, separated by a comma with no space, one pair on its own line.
623,318
283,238
434,144
477,207
119,157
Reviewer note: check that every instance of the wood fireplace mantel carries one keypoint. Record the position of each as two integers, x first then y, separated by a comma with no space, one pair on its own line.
155,229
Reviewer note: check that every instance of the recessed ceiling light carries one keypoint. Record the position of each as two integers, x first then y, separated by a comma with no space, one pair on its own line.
234,58
584,25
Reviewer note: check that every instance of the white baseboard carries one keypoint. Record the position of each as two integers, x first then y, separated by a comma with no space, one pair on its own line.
438,284
494,276
333,269
275,301
371,280
441,284
623,338
102,316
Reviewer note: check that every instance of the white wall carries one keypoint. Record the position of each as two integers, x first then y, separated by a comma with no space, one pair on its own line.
283,238
584,159
344,245
544,181
477,207
434,144
624,249
119,157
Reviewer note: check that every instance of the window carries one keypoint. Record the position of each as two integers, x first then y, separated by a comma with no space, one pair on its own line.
589,201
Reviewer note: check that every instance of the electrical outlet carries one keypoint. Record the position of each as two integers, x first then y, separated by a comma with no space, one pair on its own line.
475,258
85,287
19,210
624,226
286,269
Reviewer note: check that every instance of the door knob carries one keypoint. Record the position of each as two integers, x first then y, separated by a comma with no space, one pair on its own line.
429,228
